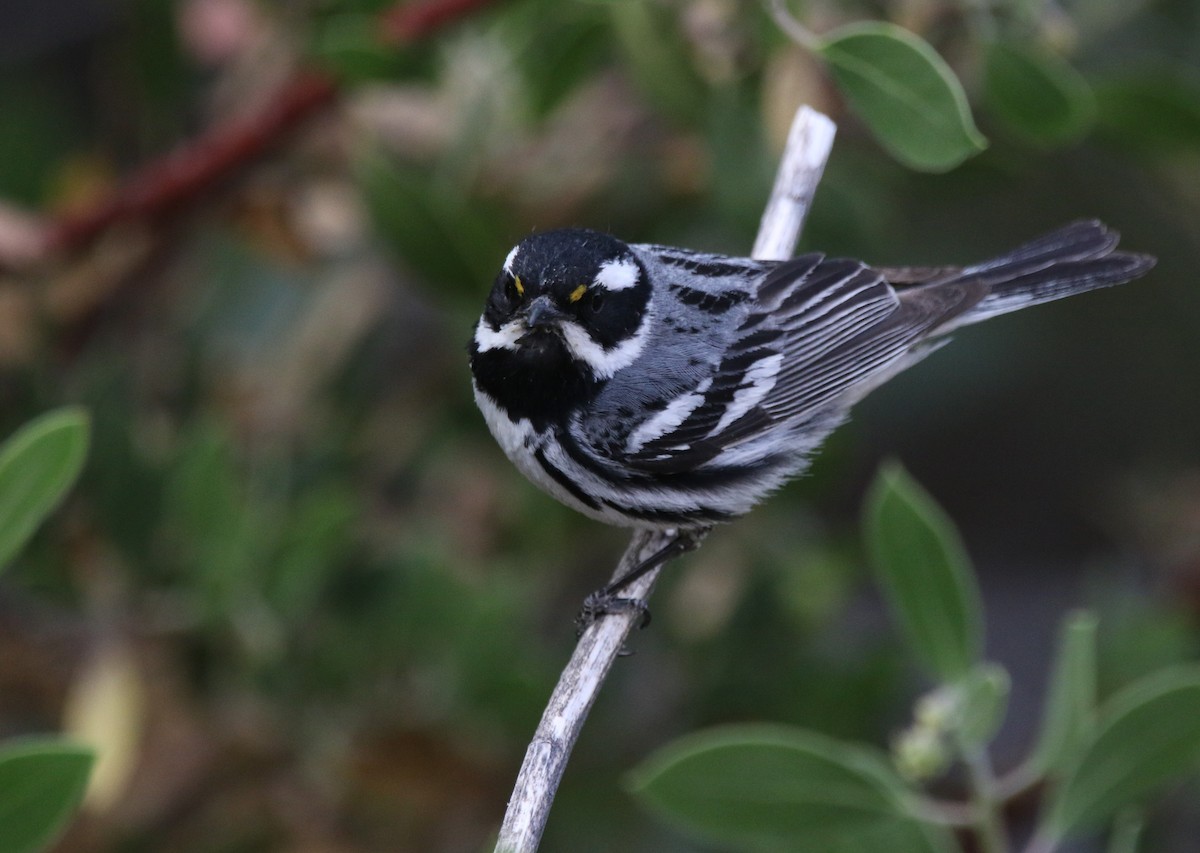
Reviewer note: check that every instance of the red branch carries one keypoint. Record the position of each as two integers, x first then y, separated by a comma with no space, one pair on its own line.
176,181
414,20
165,186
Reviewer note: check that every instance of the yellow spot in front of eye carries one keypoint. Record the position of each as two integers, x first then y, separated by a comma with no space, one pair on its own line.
577,293
520,287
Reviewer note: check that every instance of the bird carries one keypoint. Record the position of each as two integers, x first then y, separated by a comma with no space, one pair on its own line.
654,387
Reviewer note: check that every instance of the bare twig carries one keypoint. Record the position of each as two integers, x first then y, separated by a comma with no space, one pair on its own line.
808,147
577,688
795,30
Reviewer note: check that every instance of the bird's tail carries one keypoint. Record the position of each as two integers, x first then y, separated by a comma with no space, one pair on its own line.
1074,259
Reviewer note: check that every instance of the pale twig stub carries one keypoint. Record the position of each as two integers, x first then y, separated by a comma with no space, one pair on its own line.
809,142
804,158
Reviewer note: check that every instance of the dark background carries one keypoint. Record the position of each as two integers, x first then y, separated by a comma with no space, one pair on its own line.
300,593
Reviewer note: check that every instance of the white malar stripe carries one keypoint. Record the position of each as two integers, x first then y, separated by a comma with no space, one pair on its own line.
516,438
521,442
604,362
487,338
757,381
508,261
620,274
676,412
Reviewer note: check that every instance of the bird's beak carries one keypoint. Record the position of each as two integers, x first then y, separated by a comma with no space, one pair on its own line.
542,314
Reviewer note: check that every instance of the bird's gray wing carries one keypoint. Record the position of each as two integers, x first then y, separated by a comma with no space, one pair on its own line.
820,329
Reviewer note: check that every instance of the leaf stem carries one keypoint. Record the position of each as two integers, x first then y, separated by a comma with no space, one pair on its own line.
984,798
794,30
945,812
1018,780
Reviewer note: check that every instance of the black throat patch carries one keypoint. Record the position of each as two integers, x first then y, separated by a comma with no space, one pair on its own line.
539,381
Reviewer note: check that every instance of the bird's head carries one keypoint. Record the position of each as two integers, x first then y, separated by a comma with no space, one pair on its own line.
568,300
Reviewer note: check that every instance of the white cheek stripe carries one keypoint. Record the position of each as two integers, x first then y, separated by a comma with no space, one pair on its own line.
620,274
603,362
487,338
758,380
508,261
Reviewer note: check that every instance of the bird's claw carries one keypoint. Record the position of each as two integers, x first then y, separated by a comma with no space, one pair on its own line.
603,603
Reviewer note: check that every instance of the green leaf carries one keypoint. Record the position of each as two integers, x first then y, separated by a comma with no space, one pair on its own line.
1147,736
221,538
558,47
1069,716
984,694
925,573
906,94
1037,94
41,131
769,786
41,783
449,237
37,466
656,58
1126,833
349,45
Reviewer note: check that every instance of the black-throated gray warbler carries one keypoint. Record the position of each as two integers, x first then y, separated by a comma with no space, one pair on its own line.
649,386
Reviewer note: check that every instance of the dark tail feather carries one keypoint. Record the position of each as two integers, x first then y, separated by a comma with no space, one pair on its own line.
1074,259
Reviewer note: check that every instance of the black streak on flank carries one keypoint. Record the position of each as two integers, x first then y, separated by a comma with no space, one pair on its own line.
565,481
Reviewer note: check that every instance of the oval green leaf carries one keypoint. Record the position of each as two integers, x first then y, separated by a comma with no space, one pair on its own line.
769,786
1037,94
925,573
37,466
1069,716
985,692
41,784
906,94
1147,736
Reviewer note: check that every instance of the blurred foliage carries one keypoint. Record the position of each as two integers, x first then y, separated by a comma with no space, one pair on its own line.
1097,767
41,784
42,780
332,607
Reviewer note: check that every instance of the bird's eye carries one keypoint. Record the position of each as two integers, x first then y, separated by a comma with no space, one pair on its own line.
597,300
513,288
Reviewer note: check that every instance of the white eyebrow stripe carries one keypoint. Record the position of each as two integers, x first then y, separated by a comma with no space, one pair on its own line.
487,338
619,274
508,261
